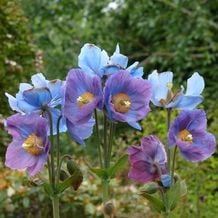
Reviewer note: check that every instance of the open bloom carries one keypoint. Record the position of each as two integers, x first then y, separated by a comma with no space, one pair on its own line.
43,94
95,61
30,146
148,161
188,132
164,96
127,98
83,94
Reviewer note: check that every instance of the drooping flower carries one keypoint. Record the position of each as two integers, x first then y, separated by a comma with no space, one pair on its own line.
127,98
188,132
163,95
83,94
43,94
148,161
95,61
79,132
30,145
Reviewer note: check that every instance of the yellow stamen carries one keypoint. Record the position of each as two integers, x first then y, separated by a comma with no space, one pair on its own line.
169,85
33,145
185,135
84,99
122,102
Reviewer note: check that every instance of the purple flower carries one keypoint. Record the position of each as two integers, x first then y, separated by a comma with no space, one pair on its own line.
30,146
35,98
188,132
83,94
127,98
148,161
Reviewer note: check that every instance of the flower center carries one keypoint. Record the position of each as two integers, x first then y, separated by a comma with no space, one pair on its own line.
33,145
122,102
185,135
84,99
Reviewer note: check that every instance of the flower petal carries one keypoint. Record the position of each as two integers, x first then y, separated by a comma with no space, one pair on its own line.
39,81
195,85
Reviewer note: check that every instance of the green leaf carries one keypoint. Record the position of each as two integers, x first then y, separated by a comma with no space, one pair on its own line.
101,173
74,180
48,189
118,166
173,195
155,202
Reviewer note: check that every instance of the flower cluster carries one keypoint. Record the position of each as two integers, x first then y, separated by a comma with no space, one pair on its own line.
187,132
101,83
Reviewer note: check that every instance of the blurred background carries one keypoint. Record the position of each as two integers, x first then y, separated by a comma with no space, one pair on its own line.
46,36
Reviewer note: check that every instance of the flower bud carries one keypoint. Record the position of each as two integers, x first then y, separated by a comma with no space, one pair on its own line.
63,175
109,209
71,167
165,180
150,188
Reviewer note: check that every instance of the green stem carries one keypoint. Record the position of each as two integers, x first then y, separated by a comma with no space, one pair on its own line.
58,139
55,207
58,150
52,149
173,165
55,199
105,185
168,126
98,139
105,146
112,127
49,170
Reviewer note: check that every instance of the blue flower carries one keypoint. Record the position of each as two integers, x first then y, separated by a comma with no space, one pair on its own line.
164,96
93,61
35,98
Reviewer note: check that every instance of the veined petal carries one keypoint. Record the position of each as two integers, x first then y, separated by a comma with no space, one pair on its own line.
195,85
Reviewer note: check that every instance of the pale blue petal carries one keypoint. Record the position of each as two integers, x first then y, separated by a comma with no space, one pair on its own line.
89,59
189,102
165,79
13,103
25,107
135,71
55,88
195,85
135,125
24,86
104,59
119,59
39,81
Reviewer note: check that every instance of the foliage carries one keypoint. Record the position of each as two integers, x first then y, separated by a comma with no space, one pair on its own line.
17,52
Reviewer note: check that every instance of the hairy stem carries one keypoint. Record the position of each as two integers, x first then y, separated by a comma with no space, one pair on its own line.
98,139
